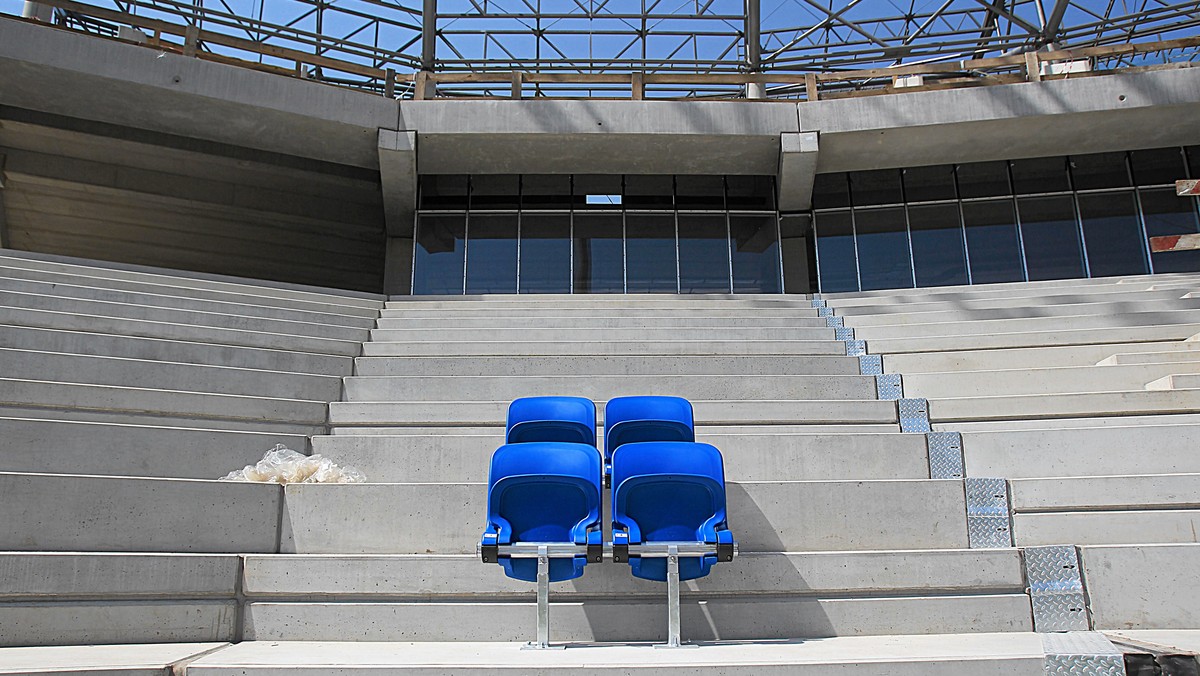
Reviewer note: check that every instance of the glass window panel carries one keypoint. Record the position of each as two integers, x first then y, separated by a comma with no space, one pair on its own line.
494,191
835,251
754,240
881,186
1112,234
438,260
937,245
751,193
1193,155
883,254
656,192
1043,174
598,253
1100,170
492,253
545,253
993,245
924,184
1168,214
831,191
1051,237
596,185
700,192
650,253
1158,167
983,179
546,191
703,253
795,234
444,191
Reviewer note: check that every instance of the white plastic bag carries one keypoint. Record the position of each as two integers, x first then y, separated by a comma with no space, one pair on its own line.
282,465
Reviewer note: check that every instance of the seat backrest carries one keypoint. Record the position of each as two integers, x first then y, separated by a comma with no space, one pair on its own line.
566,419
646,418
544,491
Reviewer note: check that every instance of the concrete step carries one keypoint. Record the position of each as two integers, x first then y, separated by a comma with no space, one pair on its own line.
491,388
746,365
1176,380
601,347
418,458
61,446
71,321
80,291
743,412
1164,577
1190,353
1132,509
117,400
587,334
187,317
1035,357
170,286
1075,313
601,301
939,304
140,373
495,429
1102,421
985,654
964,327
1012,289
155,349
1044,337
155,659
1076,405
1043,380
727,310
183,279
78,513
601,322
1083,451
773,516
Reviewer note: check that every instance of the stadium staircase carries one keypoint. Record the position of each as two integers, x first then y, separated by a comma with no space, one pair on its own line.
998,479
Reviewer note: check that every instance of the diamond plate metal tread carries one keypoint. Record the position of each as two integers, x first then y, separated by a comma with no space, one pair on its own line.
856,348
988,520
870,365
843,333
1056,588
888,386
914,415
834,322
823,311
945,455
1081,653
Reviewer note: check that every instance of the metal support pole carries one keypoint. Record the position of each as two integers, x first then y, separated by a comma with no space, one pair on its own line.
37,11
673,601
754,90
428,34
543,601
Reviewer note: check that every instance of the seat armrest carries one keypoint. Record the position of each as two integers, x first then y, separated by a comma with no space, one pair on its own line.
725,546
620,546
489,548
595,546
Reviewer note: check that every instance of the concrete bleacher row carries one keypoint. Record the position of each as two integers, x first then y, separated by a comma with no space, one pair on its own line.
115,531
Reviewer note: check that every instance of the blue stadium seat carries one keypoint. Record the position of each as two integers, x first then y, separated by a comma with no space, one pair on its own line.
544,492
567,419
646,418
666,491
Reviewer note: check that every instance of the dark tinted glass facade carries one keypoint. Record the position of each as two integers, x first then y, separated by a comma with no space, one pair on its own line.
597,234
1003,221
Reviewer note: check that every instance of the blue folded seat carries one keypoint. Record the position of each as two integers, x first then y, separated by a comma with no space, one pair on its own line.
570,419
544,486
645,418
670,492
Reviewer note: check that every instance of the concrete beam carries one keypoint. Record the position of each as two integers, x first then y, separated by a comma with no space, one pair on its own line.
797,170
75,75
599,137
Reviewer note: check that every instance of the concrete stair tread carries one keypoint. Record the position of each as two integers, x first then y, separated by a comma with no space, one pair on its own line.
180,351
599,346
1183,641
1050,300
607,365
972,327
1187,353
1073,405
1010,653
185,279
1042,336
1028,357
1082,451
152,659
742,412
77,290
1050,380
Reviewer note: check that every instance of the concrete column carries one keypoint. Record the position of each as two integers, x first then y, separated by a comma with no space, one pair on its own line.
398,178
38,11
797,170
